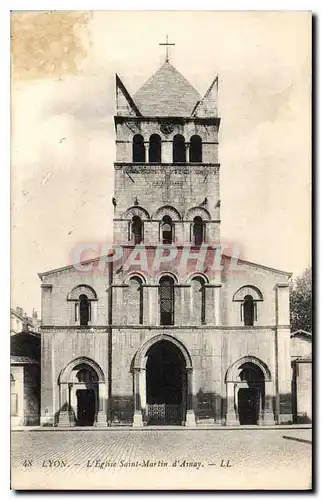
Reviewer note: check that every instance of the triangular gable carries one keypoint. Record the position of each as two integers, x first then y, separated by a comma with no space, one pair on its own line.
207,106
301,333
167,93
241,262
124,103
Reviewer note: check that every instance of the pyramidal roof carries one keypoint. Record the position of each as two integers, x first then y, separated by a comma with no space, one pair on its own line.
166,93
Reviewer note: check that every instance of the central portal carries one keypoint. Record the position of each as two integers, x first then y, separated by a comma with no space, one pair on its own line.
165,385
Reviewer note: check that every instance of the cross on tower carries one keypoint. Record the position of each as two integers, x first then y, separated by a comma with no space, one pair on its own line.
167,44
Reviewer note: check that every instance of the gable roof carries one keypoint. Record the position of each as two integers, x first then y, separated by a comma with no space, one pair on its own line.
23,360
25,345
260,266
301,333
166,93
304,359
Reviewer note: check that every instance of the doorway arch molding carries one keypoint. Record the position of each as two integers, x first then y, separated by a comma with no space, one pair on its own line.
140,357
232,372
65,374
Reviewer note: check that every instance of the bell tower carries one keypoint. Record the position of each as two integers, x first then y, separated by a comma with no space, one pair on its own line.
166,169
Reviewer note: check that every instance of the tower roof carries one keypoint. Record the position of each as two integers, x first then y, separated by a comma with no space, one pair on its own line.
166,93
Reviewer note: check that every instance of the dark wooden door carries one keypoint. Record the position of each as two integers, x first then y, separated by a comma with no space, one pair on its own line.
85,407
248,406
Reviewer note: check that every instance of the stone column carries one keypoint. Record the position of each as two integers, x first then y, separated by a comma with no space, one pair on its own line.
65,418
137,417
268,412
187,151
190,417
142,377
146,305
231,413
166,152
217,289
154,309
146,150
210,304
101,419
184,397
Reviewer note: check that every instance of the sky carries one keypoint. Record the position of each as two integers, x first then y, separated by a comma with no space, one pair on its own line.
62,147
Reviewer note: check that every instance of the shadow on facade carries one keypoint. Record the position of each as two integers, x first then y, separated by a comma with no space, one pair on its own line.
122,408
209,405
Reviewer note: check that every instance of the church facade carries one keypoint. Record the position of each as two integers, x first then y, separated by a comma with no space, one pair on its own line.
166,330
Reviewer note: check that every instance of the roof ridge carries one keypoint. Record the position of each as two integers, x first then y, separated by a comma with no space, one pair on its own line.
167,92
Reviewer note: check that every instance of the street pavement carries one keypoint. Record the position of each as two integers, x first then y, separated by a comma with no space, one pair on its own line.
162,459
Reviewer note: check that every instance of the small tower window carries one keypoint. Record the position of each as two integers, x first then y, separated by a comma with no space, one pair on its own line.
179,149
135,309
155,149
198,300
137,230
195,151
84,310
249,310
166,296
198,231
138,149
167,230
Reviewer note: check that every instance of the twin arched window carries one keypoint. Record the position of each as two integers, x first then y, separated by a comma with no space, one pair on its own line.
167,230
136,230
166,300
198,231
248,296
82,296
135,300
249,310
138,149
83,310
195,150
178,149
155,149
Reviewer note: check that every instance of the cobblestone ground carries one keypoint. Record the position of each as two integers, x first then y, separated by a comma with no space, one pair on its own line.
162,459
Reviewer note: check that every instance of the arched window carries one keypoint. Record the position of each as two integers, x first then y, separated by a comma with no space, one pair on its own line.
167,230
135,301
136,230
198,230
179,149
198,300
138,149
195,151
155,149
166,296
249,309
84,307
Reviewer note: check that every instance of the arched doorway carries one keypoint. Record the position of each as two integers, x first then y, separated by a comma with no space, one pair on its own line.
166,384
250,393
163,383
82,394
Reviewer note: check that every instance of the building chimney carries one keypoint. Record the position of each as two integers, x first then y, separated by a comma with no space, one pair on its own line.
34,317
25,327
